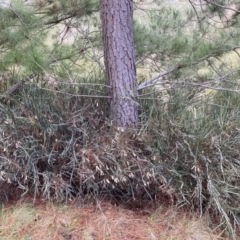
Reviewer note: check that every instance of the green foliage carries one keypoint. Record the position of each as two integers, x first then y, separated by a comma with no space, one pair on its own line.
60,10
162,36
22,46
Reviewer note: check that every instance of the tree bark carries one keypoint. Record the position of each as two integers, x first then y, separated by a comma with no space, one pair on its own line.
119,58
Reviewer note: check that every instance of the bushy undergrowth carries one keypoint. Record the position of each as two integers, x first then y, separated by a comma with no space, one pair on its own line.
185,150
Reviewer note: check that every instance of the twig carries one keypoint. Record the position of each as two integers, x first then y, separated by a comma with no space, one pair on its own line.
75,95
86,35
221,6
150,82
16,86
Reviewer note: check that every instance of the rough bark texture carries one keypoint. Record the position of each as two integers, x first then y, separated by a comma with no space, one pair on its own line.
117,28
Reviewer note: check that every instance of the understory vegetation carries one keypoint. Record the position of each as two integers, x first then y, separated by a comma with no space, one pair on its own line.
185,151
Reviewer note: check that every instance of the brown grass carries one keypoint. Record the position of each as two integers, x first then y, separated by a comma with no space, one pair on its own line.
103,221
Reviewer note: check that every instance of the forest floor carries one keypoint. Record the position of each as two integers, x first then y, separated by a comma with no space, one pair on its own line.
21,220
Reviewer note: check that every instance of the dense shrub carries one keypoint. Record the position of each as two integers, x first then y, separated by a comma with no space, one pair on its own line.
185,150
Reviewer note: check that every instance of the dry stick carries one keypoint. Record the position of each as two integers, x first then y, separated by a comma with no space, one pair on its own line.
75,95
141,60
149,83
16,86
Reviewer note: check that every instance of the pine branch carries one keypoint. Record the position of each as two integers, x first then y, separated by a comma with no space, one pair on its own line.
60,20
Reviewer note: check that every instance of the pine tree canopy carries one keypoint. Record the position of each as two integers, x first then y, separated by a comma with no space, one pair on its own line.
185,39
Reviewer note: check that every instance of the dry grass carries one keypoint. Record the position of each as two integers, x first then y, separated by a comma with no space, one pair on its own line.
103,221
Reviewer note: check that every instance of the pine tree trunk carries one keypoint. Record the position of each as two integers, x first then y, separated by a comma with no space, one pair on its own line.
117,29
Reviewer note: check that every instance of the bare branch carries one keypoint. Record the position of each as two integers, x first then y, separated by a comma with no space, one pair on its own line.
202,85
150,82
16,86
51,80
141,59
75,95
206,85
